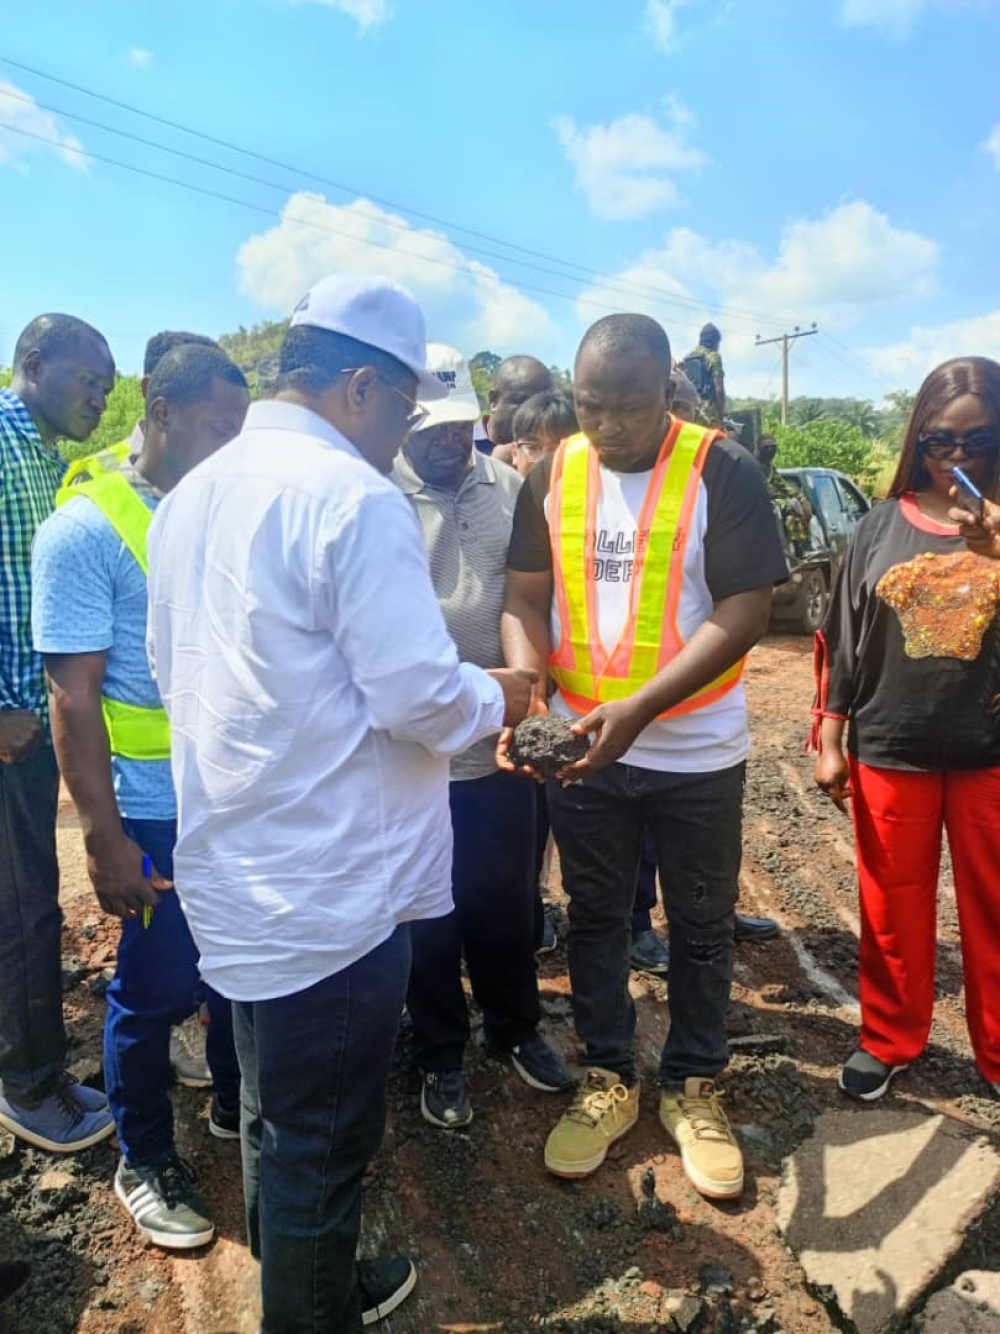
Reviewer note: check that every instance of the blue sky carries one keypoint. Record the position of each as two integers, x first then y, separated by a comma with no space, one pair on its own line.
764,163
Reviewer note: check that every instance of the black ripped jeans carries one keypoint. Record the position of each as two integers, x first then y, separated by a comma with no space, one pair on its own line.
696,822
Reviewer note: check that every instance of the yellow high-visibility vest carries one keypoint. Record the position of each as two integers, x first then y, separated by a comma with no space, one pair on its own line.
586,673
134,733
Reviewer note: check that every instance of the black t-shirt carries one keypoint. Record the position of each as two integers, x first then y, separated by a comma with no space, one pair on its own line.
933,712
742,546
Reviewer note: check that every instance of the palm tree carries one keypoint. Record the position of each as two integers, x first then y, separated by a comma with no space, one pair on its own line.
861,413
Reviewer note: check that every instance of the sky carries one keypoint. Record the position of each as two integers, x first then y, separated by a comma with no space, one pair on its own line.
523,168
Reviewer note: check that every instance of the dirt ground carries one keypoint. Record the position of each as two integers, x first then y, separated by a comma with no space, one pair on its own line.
499,1244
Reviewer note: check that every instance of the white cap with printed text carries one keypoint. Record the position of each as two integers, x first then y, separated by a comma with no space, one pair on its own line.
452,370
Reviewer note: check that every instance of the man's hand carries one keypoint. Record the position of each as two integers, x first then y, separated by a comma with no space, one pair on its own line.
21,734
517,684
537,708
116,872
982,536
615,727
833,776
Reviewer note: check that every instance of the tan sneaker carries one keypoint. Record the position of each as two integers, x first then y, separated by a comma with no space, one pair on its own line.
602,1111
697,1124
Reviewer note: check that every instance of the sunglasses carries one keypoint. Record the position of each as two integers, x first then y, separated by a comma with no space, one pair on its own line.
416,415
942,444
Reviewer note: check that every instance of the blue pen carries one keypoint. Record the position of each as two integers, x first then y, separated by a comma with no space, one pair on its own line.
147,870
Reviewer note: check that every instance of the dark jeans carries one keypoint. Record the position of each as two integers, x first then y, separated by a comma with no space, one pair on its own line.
492,883
32,1036
695,822
645,890
315,1066
157,984
541,838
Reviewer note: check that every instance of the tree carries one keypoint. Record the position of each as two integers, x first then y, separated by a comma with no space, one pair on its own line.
806,410
828,444
861,413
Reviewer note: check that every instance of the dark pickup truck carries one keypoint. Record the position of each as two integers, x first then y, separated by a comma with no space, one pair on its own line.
838,507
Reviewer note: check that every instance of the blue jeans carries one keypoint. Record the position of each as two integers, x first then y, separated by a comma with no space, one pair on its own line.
695,822
157,984
315,1066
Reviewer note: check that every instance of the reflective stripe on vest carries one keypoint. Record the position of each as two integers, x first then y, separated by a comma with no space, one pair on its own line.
108,460
585,672
134,733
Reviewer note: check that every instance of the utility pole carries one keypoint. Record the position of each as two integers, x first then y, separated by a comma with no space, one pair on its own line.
786,340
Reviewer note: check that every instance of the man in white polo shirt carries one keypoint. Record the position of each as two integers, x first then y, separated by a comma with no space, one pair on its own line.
314,698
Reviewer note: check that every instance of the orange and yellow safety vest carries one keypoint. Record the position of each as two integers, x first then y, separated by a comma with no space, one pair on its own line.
585,672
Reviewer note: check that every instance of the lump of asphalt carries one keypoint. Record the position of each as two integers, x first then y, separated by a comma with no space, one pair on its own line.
547,744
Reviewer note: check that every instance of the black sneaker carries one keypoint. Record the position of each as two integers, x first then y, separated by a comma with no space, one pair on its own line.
539,1065
384,1285
222,1123
163,1204
444,1099
865,1077
650,953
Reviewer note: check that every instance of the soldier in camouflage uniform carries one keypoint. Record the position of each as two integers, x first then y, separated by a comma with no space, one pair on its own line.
703,367
793,508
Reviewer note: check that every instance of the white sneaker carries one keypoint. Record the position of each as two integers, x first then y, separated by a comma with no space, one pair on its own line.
187,1054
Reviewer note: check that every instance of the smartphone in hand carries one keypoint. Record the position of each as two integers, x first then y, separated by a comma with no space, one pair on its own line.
969,495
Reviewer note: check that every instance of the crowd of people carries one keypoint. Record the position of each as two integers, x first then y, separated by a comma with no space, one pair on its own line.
276,651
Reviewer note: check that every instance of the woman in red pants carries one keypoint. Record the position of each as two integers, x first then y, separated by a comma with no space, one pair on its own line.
909,658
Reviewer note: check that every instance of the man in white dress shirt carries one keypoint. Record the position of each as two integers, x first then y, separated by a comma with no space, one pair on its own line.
315,698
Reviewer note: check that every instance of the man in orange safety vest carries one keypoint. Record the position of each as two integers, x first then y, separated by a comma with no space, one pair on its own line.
639,576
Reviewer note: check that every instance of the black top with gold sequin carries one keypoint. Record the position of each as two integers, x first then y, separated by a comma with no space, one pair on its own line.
909,651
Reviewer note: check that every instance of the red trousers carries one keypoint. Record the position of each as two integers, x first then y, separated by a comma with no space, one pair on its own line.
898,820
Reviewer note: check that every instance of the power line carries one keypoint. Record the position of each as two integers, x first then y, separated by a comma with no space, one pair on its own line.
274,213
592,275
786,340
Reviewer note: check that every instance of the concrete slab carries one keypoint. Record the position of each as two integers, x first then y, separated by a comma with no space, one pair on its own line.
970,1306
876,1203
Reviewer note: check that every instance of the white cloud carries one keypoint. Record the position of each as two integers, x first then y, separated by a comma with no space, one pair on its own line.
850,263
625,168
907,362
139,57
834,266
660,21
897,18
466,302
21,112
992,146
366,13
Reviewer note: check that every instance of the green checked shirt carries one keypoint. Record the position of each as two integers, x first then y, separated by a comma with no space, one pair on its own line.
30,474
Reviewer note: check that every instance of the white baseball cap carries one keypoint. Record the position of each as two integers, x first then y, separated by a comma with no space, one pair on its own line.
452,370
377,311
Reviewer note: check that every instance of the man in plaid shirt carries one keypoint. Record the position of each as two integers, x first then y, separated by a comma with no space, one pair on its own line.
63,373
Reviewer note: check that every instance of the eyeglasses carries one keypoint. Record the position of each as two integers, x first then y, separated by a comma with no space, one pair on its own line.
416,416
531,449
942,444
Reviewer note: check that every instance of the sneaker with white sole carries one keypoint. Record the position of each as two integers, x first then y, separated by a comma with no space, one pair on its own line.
58,1123
650,953
539,1064
865,1077
444,1099
603,1111
384,1285
224,1122
187,1054
163,1205
710,1155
